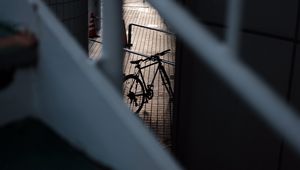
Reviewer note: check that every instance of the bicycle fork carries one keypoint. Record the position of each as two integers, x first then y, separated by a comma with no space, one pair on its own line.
166,82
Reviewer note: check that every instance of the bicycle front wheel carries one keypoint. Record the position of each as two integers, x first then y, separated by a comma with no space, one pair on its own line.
133,93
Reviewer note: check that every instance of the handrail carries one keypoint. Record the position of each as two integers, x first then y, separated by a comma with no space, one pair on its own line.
129,44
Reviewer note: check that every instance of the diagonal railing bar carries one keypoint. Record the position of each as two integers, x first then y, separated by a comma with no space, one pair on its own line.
275,111
234,11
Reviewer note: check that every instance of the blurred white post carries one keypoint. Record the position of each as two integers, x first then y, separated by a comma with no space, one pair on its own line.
112,60
234,12
268,105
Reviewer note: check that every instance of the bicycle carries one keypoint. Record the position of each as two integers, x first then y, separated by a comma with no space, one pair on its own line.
135,89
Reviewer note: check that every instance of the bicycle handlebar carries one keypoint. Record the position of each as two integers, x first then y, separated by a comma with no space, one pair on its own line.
152,57
162,53
138,61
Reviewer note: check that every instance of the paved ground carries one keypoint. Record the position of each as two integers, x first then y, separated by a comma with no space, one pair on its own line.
157,113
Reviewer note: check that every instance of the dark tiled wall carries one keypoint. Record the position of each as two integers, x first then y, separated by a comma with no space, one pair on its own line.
74,15
216,129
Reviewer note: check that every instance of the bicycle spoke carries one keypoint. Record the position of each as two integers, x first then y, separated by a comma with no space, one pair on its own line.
133,92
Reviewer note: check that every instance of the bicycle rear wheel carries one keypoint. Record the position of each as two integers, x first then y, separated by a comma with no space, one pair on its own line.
133,93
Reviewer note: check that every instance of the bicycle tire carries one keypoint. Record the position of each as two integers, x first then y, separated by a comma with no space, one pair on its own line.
133,93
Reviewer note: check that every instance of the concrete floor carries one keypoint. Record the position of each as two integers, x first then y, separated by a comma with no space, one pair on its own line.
157,113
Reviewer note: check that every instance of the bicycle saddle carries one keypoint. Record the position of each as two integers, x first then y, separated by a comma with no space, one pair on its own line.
135,62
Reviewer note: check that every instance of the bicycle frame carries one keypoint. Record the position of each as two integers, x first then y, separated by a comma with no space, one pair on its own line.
163,74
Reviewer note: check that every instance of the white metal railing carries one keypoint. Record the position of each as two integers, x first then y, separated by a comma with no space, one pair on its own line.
223,59
234,10
112,61
76,98
108,132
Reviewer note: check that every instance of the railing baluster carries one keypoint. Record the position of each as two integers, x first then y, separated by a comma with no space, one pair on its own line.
111,62
269,106
234,11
